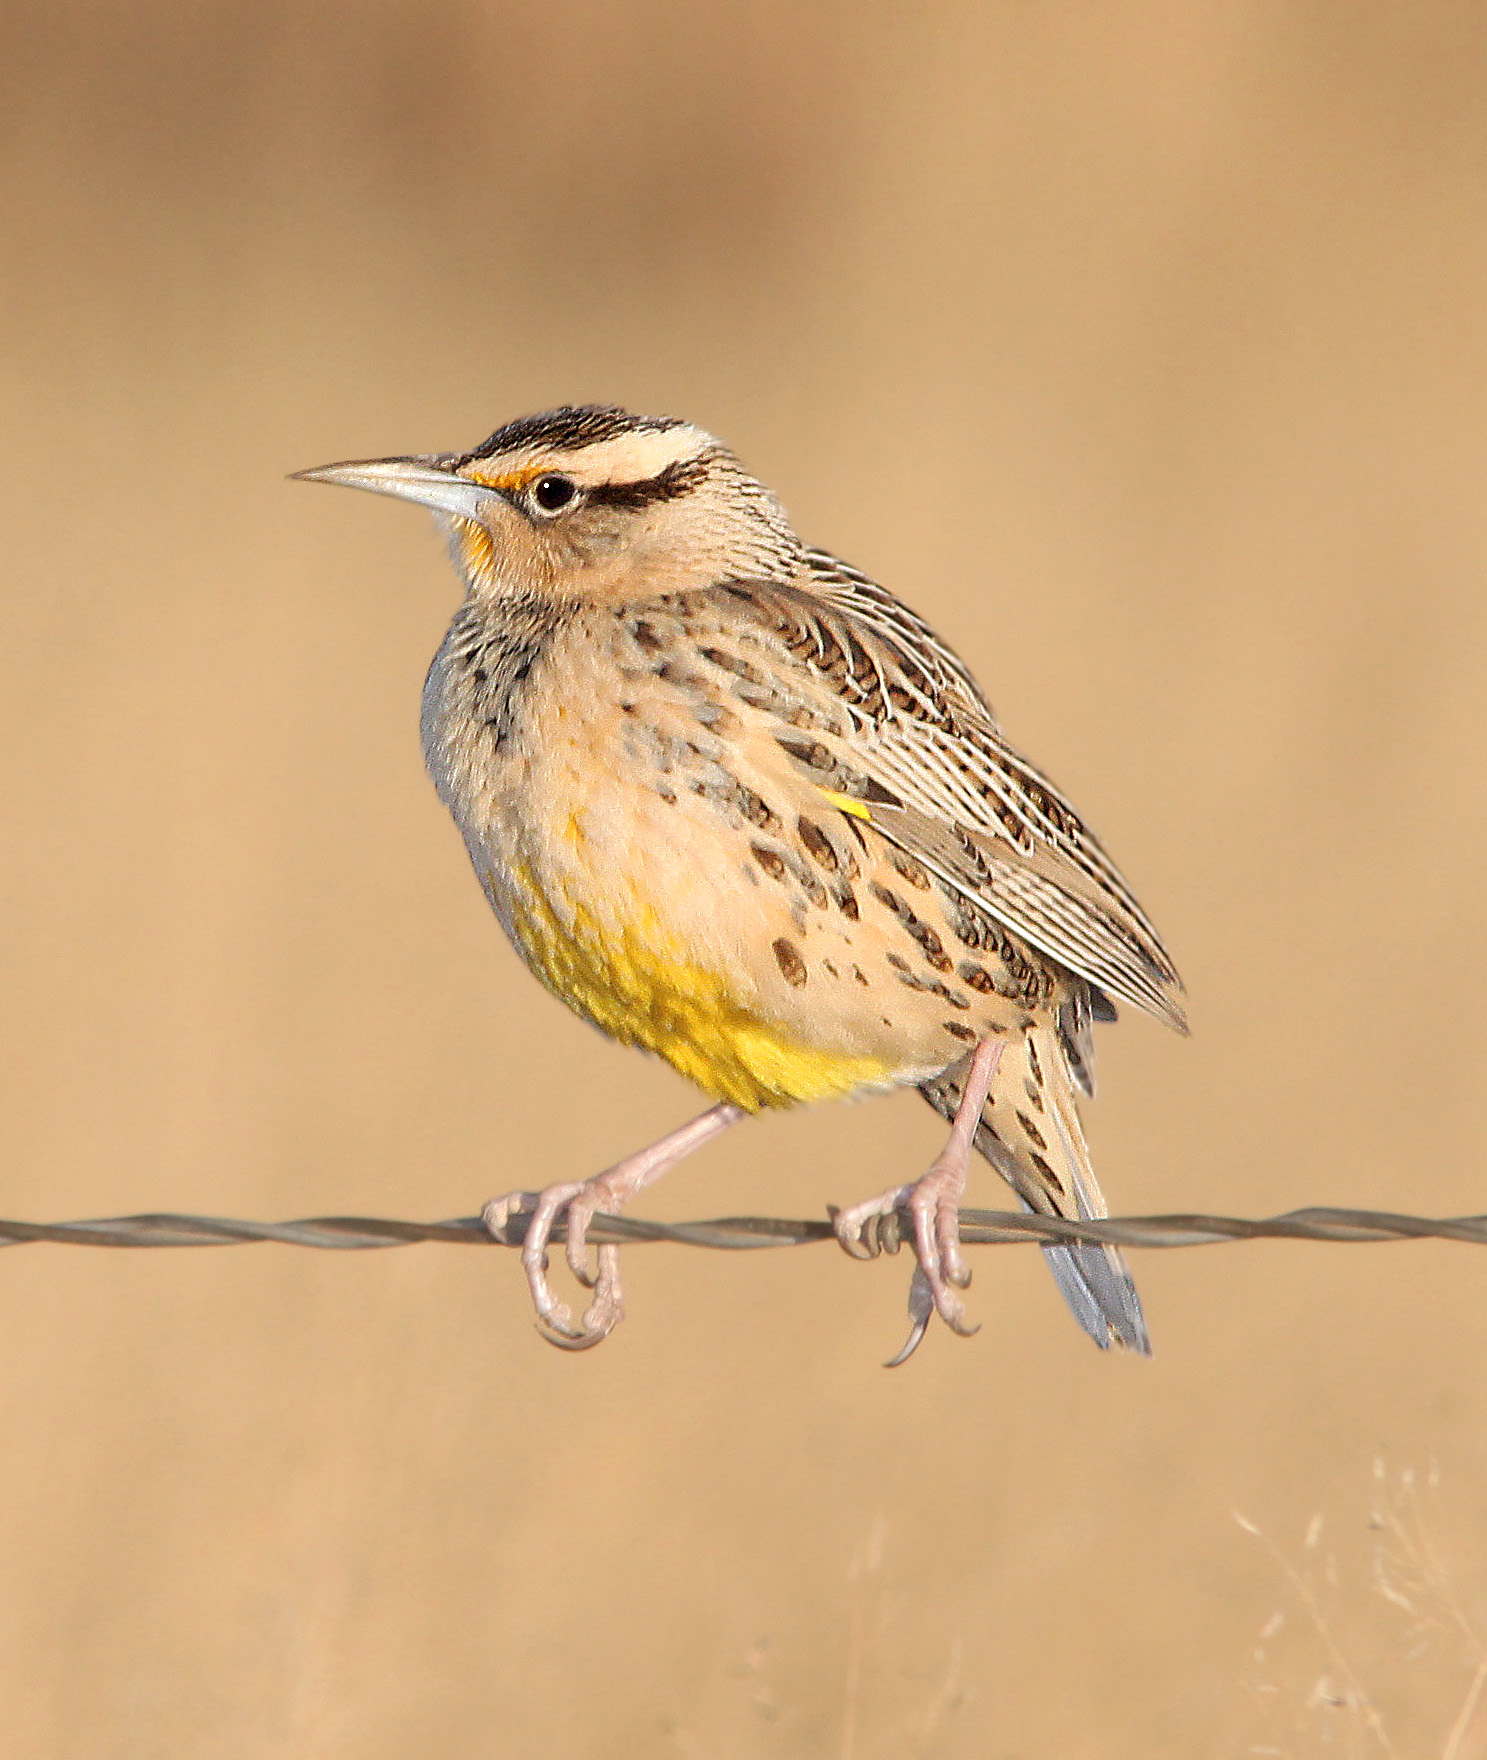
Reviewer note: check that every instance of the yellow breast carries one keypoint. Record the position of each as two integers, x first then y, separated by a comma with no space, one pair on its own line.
622,974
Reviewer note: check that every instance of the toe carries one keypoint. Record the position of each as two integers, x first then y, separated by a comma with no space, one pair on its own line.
556,1325
554,1320
948,1305
607,1309
501,1213
937,1248
867,1229
855,1240
576,1247
947,1237
602,1315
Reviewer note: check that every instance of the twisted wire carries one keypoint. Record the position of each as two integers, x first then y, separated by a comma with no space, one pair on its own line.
977,1227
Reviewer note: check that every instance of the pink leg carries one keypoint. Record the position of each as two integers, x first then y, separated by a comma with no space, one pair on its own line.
934,1203
582,1199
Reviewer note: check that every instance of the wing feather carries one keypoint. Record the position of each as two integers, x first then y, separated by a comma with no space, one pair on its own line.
962,800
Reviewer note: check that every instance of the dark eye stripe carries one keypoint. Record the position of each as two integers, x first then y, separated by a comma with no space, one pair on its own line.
679,478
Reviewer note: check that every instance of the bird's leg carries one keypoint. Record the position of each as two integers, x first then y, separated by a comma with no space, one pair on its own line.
582,1199
933,1202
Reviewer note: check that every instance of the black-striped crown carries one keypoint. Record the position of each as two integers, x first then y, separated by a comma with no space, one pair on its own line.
573,425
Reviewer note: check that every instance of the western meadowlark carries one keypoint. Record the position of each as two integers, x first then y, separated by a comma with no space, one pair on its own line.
735,804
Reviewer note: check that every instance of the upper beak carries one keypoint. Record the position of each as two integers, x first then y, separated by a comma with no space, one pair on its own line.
424,480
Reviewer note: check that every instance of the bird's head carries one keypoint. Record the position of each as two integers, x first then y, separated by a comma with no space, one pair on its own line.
590,503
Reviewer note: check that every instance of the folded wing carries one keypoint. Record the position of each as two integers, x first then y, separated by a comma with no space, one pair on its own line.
935,775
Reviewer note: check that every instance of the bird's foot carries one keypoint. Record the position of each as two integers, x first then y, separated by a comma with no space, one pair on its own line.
933,1204
578,1202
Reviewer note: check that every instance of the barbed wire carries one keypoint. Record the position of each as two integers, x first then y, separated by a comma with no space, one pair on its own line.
977,1228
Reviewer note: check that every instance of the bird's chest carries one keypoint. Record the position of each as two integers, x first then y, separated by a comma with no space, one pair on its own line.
612,824
564,783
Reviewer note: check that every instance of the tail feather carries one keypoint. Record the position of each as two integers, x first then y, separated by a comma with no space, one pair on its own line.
1030,1132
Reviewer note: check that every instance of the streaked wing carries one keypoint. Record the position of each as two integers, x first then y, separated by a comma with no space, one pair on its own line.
939,780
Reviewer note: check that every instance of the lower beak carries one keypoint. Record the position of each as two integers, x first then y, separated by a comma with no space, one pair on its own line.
423,480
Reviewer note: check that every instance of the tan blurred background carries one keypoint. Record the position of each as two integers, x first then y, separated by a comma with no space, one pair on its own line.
1142,348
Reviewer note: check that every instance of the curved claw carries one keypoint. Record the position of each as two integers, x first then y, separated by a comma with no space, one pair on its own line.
911,1344
858,1249
921,1309
860,1246
924,1304
601,1316
554,1318
569,1341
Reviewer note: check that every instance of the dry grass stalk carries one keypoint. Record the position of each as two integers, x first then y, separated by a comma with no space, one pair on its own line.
1408,1573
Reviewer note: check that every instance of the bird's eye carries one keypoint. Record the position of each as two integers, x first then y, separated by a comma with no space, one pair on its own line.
553,493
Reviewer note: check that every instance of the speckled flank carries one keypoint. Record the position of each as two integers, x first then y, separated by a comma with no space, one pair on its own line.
630,984
660,754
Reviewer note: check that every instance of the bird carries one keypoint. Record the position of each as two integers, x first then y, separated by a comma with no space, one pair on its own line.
737,805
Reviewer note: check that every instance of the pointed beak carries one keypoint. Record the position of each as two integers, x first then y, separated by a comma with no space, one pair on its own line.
427,481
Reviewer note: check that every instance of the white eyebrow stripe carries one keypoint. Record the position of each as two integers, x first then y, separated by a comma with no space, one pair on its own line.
628,458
